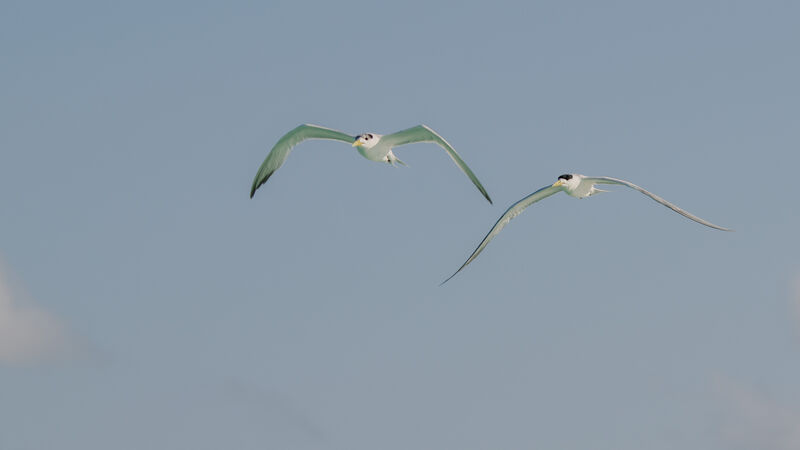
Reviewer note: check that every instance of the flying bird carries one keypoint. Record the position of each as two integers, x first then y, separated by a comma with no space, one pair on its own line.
374,147
576,185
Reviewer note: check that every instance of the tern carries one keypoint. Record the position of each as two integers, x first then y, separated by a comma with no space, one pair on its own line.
576,185
373,146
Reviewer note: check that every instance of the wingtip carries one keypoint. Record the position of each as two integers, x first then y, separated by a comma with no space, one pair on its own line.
451,276
257,185
485,195
717,227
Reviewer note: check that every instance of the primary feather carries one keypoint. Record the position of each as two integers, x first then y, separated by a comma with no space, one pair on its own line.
280,151
609,180
513,211
422,133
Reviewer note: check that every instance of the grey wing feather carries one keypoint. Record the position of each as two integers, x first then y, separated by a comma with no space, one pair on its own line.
277,156
422,133
609,180
510,213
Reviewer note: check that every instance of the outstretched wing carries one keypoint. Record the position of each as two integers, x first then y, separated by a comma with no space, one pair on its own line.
277,156
422,133
510,213
609,180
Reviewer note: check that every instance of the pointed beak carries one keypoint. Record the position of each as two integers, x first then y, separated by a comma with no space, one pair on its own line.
358,143
558,183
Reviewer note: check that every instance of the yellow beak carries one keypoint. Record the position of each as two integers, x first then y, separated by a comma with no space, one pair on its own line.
358,143
558,183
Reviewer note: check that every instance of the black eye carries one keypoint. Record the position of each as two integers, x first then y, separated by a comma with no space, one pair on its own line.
369,136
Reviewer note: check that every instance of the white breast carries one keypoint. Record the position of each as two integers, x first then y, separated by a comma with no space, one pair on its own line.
376,153
580,189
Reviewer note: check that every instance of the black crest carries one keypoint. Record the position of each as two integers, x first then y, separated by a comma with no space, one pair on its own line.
565,177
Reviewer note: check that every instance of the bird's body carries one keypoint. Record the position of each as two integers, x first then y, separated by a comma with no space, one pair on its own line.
378,151
374,147
578,186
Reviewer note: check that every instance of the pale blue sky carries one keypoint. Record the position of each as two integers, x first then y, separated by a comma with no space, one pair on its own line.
147,302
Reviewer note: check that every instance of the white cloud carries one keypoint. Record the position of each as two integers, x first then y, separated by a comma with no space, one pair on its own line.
28,334
755,420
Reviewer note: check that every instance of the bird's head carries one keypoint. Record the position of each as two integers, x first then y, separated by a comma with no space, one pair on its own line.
568,181
366,140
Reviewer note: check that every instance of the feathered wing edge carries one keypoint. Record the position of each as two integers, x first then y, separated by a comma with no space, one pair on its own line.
513,211
280,151
609,180
423,133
